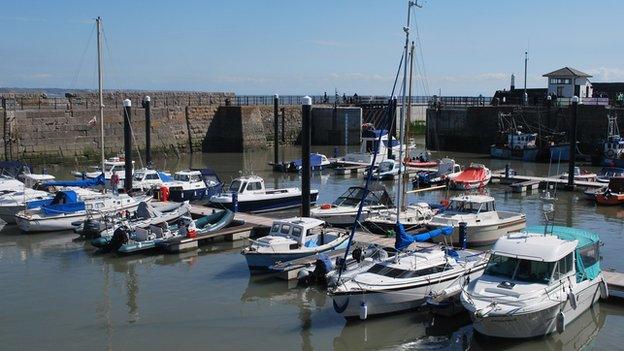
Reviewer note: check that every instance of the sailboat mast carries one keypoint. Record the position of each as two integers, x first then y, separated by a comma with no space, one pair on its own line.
98,22
403,180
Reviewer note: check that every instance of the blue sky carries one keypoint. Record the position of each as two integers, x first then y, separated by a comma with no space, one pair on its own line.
306,47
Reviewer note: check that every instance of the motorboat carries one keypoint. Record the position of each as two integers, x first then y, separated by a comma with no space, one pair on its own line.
581,175
113,164
425,179
518,146
318,162
249,194
370,143
484,224
611,150
291,239
414,217
473,177
67,207
404,281
147,213
388,169
613,194
536,283
129,241
606,173
193,185
421,159
343,211
145,179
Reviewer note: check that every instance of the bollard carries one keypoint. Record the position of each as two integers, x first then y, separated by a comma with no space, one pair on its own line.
463,235
306,136
235,201
127,144
275,129
507,170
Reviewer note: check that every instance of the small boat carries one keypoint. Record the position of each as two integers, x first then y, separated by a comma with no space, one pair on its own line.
145,179
369,140
425,179
536,283
101,231
192,185
113,164
580,175
613,195
404,282
414,217
388,169
606,173
343,211
129,241
518,146
318,162
68,207
251,195
473,177
484,224
590,193
611,153
291,239
420,160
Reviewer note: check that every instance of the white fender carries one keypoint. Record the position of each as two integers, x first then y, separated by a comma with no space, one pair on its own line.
363,310
604,290
572,299
560,322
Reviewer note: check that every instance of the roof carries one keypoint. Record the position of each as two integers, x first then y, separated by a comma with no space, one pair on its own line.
187,172
39,176
534,246
473,198
305,222
567,72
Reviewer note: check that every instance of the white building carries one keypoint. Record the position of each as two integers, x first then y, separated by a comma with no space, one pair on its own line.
568,82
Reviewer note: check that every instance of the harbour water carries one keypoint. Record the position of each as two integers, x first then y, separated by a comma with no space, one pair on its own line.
58,293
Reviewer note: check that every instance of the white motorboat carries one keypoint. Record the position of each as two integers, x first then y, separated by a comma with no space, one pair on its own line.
251,195
193,184
413,217
404,281
536,283
446,167
388,169
343,211
145,179
581,175
113,164
68,207
473,177
484,224
293,238
369,143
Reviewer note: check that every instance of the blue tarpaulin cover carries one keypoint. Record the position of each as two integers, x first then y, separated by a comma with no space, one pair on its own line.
65,201
404,239
82,183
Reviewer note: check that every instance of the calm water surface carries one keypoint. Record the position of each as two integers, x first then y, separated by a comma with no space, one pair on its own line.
58,293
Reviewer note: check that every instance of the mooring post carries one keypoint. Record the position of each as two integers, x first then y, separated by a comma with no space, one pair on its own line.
127,144
306,136
573,127
463,237
147,105
275,129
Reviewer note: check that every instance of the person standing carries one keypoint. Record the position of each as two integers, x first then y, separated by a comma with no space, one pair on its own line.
114,182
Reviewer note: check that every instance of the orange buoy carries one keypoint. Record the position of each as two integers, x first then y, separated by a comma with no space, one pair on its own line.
444,202
164,194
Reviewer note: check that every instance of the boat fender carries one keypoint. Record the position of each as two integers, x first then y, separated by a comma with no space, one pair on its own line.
560,322
325,206
363,310
604,290
357,254
572,299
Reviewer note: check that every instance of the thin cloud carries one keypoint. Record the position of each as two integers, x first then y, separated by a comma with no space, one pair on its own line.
22,19
607,74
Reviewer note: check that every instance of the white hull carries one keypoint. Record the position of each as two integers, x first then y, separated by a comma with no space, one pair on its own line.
480,235
540,322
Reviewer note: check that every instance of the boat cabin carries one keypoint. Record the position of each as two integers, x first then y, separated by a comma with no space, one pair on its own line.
388,166
448,166
188,176
520,141
31,180
250,184
117,164
377,195
471,204
613,147
150,176
535,258
296,228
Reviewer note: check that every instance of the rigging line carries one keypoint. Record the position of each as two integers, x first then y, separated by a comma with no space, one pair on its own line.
113,68
420,50
82,58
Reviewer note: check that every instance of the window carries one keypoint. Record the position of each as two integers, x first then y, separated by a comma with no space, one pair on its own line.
235,185
152,176
520,269
501,266
254,186
195,178
589,255
138,176
564,266
296,232
181,177
386,271
275,228
285,229
560,81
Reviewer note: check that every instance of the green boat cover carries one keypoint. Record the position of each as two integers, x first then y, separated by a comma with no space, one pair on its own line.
587,249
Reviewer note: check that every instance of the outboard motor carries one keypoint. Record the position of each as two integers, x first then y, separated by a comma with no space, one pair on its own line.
120,237
92,228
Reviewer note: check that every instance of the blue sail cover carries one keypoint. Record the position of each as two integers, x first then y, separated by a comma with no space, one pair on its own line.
65,201
82,183
404,239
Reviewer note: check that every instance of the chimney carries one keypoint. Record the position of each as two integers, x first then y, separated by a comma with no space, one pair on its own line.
513,82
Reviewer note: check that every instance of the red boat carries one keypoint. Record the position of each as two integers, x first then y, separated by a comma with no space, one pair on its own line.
473,177
614,195
420,164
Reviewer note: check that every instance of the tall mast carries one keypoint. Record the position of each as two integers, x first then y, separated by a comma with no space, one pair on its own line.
402,116
526,60
409,115
98,22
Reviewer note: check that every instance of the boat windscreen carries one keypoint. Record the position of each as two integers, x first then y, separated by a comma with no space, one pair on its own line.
386,271
181,177
523,270
235,186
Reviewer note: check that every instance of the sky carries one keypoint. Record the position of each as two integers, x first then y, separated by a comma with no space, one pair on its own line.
294,47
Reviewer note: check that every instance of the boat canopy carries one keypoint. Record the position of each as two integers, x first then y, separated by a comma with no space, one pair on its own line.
377,195
209,176
82,183
404,239
65,201
586,252
316,160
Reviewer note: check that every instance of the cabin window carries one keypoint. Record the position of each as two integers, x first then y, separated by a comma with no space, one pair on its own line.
275,228
138,176
401,273
254,186
235,186
564,266
520,269
195,178
152,176
589,255
296,232
181,177
285,229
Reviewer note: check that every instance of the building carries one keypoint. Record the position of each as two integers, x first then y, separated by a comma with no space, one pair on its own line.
568,82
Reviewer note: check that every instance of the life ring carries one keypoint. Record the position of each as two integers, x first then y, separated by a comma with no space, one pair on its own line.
325,206
610,153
